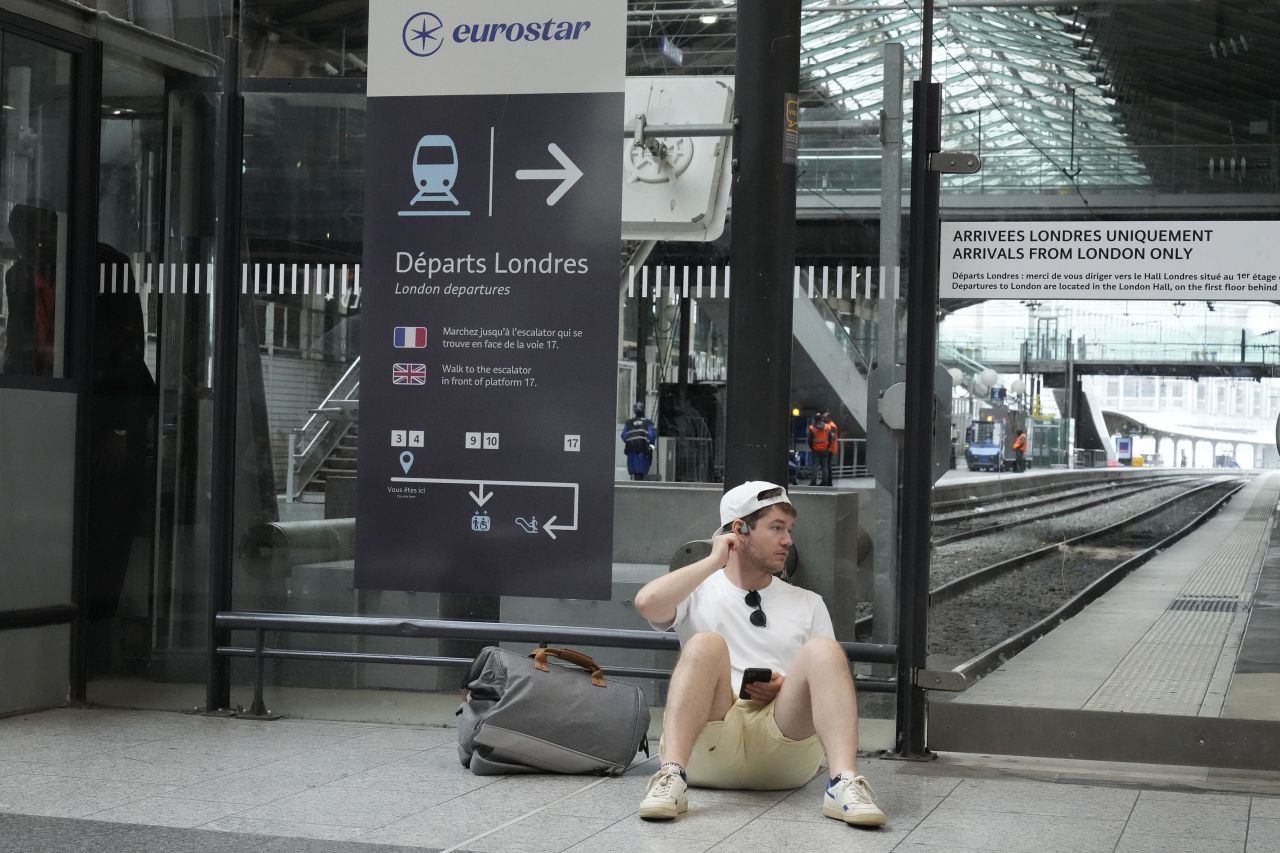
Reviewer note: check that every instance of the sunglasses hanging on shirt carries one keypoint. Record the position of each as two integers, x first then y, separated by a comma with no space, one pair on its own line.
757,615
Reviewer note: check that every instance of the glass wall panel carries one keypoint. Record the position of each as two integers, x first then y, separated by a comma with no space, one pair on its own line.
37,84
303,221
1094,121
150,457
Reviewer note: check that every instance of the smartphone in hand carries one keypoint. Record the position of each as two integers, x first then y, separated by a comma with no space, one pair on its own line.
753,674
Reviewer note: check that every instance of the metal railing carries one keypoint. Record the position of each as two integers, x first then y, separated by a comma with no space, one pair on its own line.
1207,169
1225,351
841,334
542,635
850,461
1091,458
310,445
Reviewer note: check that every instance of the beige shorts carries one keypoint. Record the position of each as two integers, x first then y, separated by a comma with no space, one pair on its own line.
746,750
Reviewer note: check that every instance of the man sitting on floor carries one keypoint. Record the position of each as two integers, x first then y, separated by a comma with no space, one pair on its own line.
731,614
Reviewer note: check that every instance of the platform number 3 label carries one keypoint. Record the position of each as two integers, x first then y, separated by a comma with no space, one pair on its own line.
572,443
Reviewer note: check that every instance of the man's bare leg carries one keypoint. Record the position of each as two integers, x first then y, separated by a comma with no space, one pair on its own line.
817,697
699,693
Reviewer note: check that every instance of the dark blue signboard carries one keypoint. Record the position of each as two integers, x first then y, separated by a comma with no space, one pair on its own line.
489,342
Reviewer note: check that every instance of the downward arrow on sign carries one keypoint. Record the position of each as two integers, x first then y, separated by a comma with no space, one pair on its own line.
482,498
568,175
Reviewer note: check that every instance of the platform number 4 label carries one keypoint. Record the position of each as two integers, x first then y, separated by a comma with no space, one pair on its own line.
572,443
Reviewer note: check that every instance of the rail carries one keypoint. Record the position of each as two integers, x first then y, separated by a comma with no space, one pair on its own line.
841,334
260,623
1154,169
985,661
311,444
1226,349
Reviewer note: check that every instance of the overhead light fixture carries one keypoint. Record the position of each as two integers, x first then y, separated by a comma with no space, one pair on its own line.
709,19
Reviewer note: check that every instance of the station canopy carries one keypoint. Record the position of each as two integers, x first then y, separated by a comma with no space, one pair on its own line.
1122,95
1129,96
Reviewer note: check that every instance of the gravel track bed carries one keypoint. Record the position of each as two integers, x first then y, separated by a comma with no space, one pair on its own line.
972,623
998,504
955,559
948,526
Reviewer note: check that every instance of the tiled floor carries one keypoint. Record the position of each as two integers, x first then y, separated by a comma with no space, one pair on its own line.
143,781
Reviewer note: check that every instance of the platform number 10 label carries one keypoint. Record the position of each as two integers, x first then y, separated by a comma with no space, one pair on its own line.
482,441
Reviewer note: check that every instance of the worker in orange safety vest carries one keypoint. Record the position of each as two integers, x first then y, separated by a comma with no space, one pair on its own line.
820,442
1020,451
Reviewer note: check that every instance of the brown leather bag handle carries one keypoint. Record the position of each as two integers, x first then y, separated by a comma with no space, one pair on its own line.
540,656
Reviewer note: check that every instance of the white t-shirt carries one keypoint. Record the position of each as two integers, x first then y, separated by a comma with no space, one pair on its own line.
793,616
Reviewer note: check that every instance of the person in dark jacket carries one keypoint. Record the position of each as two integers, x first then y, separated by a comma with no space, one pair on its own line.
638,437
122,438
31,290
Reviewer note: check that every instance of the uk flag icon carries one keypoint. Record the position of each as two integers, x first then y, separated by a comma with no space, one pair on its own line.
409,374
411,337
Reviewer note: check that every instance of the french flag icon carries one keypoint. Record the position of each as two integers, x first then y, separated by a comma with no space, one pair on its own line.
411,337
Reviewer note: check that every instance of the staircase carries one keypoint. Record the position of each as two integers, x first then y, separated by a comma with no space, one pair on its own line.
341,461
326,445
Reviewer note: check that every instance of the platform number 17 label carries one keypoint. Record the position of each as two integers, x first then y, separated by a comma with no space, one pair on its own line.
572,443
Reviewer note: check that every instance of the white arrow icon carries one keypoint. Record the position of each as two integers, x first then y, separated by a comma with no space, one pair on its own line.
483,497
550,527
568,175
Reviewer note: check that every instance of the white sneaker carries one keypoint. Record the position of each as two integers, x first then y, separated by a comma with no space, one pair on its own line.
666,795
851,800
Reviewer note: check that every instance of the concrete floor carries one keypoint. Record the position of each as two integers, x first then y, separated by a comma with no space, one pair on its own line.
91,779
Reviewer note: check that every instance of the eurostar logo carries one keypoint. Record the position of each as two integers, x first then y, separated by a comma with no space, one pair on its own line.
421,34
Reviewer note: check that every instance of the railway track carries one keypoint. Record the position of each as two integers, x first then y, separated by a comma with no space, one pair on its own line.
1093,560
989,615
957,526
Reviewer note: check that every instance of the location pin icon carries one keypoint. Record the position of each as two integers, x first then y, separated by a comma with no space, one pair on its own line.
406,461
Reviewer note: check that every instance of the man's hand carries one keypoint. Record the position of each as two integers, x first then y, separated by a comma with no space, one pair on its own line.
722,544
658,600
765,692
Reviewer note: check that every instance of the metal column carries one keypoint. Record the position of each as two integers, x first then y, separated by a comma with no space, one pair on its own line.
225,348
644,315
922,348
885,499
766,108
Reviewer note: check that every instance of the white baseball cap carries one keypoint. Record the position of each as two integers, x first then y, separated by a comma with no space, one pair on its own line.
741,501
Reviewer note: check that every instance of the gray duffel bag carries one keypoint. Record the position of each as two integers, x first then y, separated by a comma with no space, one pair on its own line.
532,715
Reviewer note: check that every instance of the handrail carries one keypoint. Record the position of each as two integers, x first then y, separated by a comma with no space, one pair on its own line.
37,617
328,423
316,412
385,626
841,334
948,353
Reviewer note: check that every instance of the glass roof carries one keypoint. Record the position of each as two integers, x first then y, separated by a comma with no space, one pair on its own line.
1017,86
